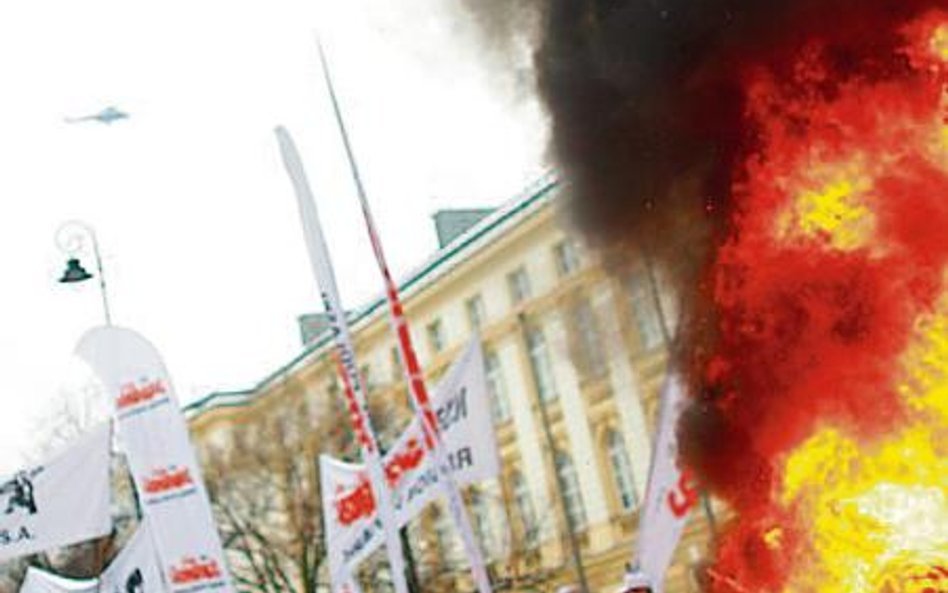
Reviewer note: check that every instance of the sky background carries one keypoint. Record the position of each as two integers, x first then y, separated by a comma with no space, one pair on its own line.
195,217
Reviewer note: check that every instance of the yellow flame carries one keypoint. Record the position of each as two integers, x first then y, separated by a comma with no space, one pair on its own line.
773,537
867,507
834,211
939,43
872,510
925,388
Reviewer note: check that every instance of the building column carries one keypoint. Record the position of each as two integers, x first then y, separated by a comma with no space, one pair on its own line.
582,447
528,435
625,388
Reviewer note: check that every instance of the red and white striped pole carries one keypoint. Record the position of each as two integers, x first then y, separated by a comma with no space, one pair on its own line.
413,372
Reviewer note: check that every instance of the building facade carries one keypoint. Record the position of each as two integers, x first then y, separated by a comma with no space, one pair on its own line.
575,354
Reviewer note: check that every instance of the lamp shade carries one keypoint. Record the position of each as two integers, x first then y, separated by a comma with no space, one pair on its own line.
74,272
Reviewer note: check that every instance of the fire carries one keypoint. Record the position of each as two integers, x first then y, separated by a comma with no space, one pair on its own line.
831,363
865,507
833,212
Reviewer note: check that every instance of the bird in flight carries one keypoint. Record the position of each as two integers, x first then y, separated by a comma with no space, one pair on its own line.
109,115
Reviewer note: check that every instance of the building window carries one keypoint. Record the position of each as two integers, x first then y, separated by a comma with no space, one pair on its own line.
482,524
500,405
444,535
475,312
621,470
588,343
540,364
643,308
569,485
398,372
567,258
528,518
436,336
519,284
365,372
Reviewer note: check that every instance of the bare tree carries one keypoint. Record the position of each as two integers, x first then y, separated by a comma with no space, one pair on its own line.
265,489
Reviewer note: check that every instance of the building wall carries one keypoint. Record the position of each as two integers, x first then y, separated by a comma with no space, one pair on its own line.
605,380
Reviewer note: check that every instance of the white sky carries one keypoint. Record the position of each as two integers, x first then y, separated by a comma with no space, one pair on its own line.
195,217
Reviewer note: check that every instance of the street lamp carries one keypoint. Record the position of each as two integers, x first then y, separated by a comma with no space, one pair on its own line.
71,238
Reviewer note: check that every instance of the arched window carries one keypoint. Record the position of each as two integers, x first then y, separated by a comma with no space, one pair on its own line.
621,470
481,511
644,309
528,518
445,536
588,351
540,364
500,405
569,484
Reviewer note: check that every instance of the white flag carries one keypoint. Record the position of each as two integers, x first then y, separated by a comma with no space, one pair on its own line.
60,502
671,492
136,568
40,581
462,411
154,435
353,382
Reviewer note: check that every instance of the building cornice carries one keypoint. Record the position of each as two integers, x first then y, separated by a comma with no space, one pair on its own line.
516,211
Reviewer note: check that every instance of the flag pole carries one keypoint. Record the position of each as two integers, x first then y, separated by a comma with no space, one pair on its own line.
354,391
412,368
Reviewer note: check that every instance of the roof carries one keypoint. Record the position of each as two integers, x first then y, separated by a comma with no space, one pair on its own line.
519,208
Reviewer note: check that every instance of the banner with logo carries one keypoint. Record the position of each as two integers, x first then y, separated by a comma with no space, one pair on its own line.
352,380
41,581
135,569
63,501
155,438
463,415
671,492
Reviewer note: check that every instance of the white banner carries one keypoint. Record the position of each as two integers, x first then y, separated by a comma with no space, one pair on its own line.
135,569
353,382
463,415
155,438
40,581
61,502
671,492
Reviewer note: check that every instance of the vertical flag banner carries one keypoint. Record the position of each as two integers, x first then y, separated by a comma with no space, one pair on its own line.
62,501
462,410
353,383
413,373
136,568
154,435
671,492
40,581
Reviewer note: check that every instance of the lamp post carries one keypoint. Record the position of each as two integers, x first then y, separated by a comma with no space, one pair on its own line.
70,238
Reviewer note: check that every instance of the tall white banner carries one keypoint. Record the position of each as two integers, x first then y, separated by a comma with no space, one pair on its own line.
462,412
353,382
136,568
40,581
671,492
63,501
154,435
